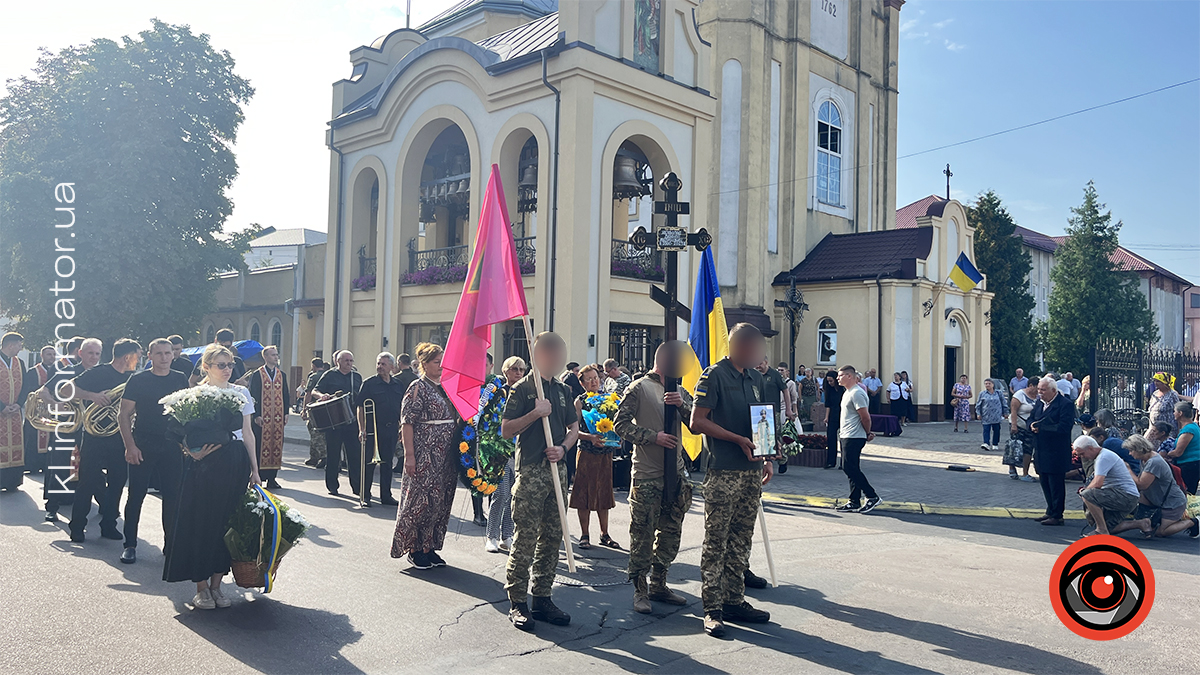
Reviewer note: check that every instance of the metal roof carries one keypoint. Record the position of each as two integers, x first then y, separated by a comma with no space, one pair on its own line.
906,216
526,39
296,236
889,254
531,8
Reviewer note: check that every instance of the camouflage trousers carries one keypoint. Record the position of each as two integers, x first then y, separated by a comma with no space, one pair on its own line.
316,443
538,531
731,501
654,531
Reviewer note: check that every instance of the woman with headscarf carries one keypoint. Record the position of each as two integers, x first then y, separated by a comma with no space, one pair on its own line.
428,424
1163,400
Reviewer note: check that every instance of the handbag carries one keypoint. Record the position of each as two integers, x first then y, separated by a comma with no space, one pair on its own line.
1014,450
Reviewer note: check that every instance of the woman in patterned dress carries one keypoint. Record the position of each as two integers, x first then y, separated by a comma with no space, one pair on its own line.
593,490
429,424
962,404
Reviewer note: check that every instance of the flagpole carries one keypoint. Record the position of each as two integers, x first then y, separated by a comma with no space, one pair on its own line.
562,506
762,525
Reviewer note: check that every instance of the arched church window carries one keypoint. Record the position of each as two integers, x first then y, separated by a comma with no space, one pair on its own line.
276,332
829,154
826,342
255,332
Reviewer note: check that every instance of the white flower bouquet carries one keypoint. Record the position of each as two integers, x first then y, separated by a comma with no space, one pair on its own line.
203,415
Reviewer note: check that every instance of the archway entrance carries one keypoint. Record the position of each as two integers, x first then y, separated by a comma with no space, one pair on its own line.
445,194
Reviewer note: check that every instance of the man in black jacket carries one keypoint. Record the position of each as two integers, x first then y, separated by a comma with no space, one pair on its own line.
1051,422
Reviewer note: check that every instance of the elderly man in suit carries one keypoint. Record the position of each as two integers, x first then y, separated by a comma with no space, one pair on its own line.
1051,422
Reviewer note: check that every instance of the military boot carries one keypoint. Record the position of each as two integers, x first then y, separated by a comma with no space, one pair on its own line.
659,591
544,610
641,598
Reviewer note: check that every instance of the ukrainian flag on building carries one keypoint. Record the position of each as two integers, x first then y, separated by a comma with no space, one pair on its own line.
708,337
964,275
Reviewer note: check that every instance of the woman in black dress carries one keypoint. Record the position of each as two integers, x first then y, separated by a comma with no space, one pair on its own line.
833,417
214,482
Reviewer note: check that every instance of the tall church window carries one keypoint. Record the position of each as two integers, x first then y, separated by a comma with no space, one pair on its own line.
255,332
829,154
827,342
210,335
276,332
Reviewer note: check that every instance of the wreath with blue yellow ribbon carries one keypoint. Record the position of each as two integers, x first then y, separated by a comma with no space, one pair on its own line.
482,451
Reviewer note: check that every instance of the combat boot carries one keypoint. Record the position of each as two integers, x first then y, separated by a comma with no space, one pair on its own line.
745,613
544,610
641,598
659,591
519,616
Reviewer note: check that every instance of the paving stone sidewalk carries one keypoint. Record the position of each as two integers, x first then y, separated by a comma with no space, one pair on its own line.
911,468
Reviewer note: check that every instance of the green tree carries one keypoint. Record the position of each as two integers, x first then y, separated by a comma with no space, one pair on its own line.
143,130
1092,298
1000,256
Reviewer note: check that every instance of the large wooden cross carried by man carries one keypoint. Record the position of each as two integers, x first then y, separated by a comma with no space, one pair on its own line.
671,240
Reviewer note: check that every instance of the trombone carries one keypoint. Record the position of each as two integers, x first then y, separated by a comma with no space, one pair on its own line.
368,409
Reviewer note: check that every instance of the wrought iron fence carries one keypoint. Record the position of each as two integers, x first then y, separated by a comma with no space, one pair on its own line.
632,346
631,262
366,271
526,255
1122,375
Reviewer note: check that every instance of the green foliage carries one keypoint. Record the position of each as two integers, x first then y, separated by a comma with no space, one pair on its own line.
1000,256
143,129
1092,298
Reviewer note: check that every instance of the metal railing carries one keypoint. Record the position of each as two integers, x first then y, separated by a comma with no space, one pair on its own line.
630,262
526,255
1122,372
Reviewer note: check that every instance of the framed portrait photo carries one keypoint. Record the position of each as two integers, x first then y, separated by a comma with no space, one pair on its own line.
762,425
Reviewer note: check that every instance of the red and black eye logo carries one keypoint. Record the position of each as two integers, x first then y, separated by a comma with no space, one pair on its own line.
1102,587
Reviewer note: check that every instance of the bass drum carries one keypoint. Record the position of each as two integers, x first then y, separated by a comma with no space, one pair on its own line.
331,413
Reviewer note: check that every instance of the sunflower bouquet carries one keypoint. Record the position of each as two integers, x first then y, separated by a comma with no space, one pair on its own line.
601,416
482,451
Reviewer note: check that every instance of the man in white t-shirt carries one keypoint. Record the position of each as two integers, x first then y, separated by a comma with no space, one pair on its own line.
853,435
1112,494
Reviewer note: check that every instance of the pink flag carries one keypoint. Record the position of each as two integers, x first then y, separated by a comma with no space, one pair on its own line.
493,292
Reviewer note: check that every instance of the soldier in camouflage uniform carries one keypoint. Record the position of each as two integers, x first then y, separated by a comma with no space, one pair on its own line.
656,519
316,442
538,532
733,483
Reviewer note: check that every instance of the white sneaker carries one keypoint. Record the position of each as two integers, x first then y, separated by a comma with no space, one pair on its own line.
219,597
491,546
506,545
995,448
985,447
204,600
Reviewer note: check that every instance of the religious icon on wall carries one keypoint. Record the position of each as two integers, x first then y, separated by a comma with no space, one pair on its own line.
645,33
762,422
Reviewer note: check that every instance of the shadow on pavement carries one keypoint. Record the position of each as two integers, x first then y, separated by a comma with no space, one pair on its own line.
271,637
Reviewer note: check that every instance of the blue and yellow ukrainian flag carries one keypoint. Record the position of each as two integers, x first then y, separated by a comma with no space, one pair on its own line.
964,275
708,336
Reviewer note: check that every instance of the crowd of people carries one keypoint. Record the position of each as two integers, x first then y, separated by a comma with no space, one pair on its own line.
403,419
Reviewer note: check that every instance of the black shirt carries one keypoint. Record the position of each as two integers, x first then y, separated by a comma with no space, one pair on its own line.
387,397
183,364
531,443
98,380
729,395
333,381
145,389
405,377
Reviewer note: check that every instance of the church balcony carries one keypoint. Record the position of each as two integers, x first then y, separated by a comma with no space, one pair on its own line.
449,264
365,280
630,262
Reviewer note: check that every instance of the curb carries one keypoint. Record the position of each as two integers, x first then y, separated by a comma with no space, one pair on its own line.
910,507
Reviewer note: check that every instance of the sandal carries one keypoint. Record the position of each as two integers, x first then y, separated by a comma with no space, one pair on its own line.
584,542
606,540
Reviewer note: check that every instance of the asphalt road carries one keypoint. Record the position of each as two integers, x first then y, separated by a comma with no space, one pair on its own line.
872,593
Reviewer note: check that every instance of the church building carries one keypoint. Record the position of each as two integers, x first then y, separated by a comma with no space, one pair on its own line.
778,116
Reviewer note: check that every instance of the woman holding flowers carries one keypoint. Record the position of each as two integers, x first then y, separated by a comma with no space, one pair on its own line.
215,477
593,489
428,424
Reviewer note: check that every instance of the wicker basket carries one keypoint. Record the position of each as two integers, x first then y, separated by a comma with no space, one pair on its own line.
247,574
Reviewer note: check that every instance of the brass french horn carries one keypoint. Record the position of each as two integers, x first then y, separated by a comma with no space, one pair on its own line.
67,420
101,420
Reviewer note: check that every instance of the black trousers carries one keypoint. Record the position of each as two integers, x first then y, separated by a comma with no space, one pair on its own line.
102,474
1054,489
873,404
851,464
338,440
56,489
831,443
162,465
387,452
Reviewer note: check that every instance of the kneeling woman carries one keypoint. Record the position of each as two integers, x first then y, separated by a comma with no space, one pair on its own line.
1160,494
214,482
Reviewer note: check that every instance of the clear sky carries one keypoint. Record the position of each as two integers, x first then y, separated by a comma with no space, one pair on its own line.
966,69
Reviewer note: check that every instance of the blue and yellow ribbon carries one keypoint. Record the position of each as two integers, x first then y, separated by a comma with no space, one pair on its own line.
271,542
